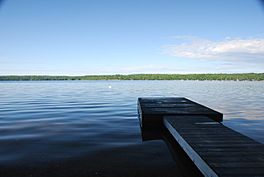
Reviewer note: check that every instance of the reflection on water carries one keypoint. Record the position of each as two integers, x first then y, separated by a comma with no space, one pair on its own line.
184,163
87,127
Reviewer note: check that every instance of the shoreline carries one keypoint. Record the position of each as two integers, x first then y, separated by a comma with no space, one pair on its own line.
185,77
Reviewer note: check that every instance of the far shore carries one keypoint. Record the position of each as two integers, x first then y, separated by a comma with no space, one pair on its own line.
222,76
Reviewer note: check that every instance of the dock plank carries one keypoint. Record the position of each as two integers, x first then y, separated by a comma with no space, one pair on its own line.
216,155
151,110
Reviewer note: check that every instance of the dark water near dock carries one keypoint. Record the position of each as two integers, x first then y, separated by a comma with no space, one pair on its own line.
90,128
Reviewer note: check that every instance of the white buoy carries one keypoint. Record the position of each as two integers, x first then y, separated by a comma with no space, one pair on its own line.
109,86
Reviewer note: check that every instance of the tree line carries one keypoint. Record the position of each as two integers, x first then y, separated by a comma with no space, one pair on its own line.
238,77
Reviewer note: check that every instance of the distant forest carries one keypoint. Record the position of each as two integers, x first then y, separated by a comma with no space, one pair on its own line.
240,77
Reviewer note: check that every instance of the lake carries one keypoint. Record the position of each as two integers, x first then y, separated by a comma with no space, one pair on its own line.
91,128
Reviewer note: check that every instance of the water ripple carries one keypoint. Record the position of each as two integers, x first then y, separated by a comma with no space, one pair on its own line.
47,121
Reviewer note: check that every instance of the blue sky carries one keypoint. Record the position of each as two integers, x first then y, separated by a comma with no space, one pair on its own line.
65,37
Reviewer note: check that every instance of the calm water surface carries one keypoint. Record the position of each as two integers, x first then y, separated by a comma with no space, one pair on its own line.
90,128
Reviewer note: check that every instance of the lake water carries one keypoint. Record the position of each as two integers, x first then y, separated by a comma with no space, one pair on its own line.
91,128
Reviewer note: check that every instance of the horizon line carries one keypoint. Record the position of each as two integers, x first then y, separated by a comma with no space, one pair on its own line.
127,74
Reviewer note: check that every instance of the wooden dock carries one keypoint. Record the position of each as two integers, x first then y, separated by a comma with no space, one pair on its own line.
152,110
214,148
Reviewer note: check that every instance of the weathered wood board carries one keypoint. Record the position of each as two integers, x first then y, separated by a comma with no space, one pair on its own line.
152,109
216,149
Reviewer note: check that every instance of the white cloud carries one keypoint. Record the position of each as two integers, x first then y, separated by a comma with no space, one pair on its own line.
244,50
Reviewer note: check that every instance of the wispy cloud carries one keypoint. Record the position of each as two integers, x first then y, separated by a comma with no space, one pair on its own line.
229,49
